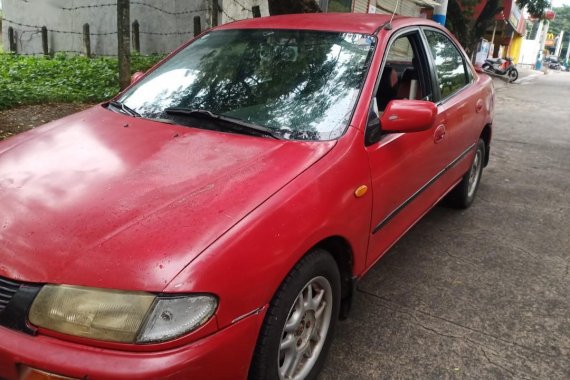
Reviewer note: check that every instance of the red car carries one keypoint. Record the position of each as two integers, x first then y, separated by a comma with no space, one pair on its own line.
211,221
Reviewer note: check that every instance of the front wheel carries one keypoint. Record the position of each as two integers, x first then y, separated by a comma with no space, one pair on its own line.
487,68
463,194
298,327
512,74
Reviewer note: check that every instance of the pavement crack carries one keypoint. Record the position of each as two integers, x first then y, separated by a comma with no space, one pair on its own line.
557,261
460,258
527,145
525,251
514,374
513,141
448,253
416,320
401,309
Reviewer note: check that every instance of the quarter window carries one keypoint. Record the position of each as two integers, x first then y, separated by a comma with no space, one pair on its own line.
449,64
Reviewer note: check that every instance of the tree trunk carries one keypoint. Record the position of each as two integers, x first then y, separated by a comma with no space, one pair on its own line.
467,30
124,42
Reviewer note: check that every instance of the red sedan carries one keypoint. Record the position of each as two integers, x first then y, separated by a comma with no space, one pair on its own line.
211,221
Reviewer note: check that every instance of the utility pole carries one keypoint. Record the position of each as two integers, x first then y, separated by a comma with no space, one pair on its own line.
492,52
543,37
559,44
540,38
567,52
440,12
124,42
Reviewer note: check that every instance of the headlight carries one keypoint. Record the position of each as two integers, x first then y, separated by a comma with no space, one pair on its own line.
118,316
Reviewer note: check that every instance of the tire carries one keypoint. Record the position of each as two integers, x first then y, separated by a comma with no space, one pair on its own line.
463,194
513,74
296,328
487,68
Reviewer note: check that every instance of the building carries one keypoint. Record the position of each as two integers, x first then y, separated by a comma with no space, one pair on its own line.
536,40
508,31
413,8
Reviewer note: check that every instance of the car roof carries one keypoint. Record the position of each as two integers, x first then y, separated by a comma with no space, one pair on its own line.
366,23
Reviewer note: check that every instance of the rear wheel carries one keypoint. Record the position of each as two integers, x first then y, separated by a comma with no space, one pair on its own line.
463,194
513,74
298,328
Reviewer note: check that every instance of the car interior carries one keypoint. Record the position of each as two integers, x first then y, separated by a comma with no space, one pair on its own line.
402,78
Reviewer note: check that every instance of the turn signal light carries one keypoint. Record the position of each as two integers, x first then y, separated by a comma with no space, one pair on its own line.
36,374
360,191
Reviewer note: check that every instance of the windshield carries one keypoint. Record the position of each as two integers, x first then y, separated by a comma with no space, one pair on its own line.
299,84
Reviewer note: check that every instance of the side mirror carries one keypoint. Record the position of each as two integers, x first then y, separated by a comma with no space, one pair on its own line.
403,116
136,76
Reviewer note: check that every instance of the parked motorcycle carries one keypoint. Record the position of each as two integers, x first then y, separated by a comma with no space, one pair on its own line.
553,63
554,66
501,67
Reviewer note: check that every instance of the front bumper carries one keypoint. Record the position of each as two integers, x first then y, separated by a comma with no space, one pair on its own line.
225,354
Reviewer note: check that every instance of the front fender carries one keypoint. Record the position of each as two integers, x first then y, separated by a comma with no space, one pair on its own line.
245,266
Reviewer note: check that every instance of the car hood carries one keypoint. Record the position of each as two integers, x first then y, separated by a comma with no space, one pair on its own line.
105,200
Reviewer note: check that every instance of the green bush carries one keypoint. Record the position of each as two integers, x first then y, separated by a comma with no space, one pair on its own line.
64,78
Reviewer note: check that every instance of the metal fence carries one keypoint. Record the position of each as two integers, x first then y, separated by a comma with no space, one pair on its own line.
22,38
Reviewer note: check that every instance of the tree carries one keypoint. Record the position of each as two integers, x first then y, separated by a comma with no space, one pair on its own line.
534,7
469,29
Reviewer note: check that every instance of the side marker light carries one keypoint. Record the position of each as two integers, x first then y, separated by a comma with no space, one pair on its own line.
360,191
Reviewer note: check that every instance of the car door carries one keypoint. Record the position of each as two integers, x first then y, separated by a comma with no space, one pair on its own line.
403,165
460,115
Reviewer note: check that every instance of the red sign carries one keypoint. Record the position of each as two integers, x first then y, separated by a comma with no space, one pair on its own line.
549,14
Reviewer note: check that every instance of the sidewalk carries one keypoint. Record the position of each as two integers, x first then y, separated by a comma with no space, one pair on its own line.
525,74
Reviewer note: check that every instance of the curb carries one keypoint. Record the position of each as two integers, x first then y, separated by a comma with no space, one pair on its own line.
529,77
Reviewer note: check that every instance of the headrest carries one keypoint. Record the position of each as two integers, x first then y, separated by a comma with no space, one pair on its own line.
389,77
409,74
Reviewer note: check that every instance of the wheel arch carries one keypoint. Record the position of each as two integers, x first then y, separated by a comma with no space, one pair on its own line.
486,136
342,253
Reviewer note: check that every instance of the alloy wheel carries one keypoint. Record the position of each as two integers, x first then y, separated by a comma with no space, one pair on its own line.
475,173
305,330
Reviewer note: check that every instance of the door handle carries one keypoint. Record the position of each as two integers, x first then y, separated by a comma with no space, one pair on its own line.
479,106
439,134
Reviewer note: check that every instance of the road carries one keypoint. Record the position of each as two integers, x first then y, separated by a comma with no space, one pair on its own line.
482,293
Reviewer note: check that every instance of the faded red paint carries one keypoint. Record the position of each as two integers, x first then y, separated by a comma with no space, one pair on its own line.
106,200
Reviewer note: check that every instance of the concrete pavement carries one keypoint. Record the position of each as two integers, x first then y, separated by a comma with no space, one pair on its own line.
482,293
525,75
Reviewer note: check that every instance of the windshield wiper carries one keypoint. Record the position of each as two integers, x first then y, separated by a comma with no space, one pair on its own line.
238,124
121,106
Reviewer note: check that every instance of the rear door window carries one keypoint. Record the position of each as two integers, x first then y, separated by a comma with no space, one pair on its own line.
452,71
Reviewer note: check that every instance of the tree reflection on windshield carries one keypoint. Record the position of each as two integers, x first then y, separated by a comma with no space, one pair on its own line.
301,84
